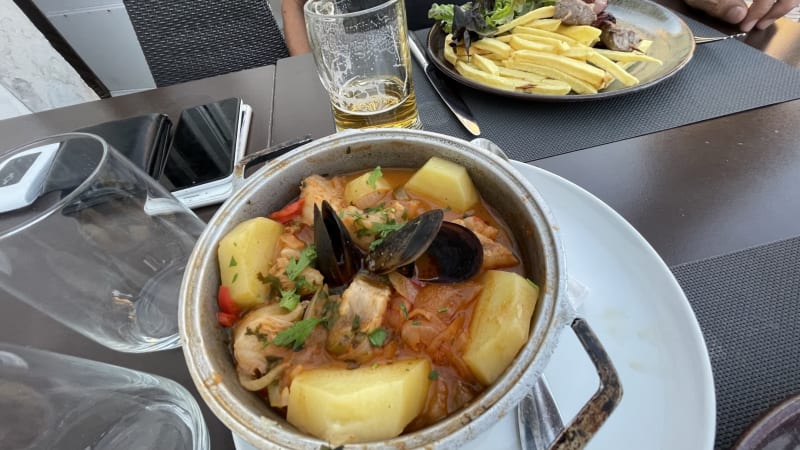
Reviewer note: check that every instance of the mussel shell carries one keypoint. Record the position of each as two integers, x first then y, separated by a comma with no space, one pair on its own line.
406,244
338,259
455,255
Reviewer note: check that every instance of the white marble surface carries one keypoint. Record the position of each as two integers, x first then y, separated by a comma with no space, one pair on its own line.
32,71
10,106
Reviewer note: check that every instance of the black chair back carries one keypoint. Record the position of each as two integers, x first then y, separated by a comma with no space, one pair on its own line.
185,40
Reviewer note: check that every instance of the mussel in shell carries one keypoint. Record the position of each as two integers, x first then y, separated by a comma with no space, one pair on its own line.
338,258
455,255
435,250
406,244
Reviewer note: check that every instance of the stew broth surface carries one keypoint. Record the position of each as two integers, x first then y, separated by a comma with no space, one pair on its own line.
421,320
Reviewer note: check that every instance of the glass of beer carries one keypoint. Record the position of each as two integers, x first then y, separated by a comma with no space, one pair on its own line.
361,51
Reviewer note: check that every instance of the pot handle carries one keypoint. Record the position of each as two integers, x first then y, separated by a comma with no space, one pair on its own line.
264,155
596,411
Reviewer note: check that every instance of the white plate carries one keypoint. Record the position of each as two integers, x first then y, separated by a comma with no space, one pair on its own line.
644,321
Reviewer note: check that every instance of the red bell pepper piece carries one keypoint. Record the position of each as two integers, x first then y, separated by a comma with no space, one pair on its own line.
226,304
227,320
288,212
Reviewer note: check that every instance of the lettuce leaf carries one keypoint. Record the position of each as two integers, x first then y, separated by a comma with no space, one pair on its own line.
494,13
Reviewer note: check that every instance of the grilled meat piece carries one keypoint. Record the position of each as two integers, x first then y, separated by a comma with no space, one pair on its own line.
619,38
574,12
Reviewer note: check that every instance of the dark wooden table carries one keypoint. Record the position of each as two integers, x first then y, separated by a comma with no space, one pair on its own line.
699,190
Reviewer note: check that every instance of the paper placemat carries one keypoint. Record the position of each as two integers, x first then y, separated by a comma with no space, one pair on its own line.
748,306
722,78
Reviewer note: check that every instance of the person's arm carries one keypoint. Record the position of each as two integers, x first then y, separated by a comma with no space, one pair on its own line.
761,14
294,27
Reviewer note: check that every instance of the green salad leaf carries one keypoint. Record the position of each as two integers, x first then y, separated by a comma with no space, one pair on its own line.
481,17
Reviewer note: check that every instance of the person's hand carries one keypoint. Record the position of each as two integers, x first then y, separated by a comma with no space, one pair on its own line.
761,14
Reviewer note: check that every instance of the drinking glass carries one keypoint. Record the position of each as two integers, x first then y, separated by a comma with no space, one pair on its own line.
54,401
361,52
101,248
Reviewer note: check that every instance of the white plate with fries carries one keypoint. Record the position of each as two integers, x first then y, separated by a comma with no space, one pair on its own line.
535,57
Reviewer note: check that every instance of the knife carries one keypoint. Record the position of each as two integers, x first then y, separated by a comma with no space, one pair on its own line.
448,95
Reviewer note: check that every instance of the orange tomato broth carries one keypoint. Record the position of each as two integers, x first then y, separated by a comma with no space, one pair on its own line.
436,323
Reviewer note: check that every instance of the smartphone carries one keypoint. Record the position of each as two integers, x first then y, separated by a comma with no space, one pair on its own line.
208,142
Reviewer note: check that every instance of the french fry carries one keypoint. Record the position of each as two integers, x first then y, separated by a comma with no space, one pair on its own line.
644,46
508,72
448,51
584,34
545,34
485,64
577,85
493,46
518,43
539,84
547,87
611,67
545,24
461,51
552,45
475,74
544,12
581,53
627,56
591,74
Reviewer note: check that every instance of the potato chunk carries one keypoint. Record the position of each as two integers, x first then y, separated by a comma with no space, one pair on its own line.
363,192
500,323
446,182
246,251
365,404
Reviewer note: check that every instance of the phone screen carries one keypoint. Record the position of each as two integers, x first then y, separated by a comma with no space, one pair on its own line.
203,146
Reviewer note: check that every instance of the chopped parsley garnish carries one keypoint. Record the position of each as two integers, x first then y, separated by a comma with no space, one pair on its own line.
377,337
379,229
233,262
375,209
382,230
404,310
235,276
297,265
357,216
416,323
295,336
263,338
386,228
356,323
273,281
433,375
301,284
289,300
373,176
443,310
